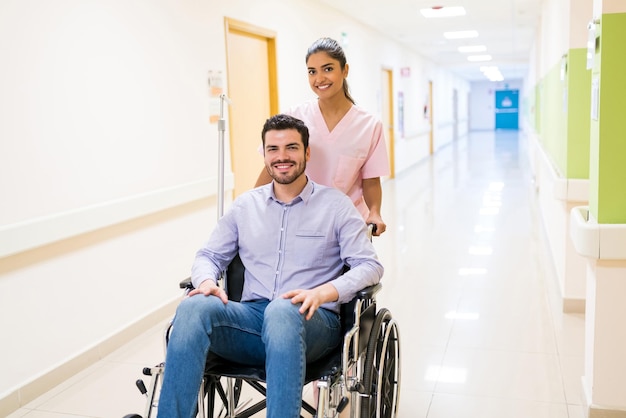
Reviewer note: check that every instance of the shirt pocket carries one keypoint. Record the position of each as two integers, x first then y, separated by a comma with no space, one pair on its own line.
348,169
310,246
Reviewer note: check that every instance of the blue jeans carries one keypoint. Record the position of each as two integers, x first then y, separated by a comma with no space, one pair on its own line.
257,333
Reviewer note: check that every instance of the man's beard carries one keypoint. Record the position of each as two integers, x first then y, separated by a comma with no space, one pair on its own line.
286,178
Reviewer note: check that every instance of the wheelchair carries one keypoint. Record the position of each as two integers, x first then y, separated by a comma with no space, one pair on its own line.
363,372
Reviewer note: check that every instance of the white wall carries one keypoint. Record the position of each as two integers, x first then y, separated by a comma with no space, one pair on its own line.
413,147
108,160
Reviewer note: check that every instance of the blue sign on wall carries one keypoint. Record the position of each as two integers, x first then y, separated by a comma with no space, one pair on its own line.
507,109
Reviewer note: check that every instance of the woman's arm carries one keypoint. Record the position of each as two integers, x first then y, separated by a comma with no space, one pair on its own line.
373,195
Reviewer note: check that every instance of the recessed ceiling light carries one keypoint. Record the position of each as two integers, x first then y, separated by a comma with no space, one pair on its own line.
493,74
478,58
462,34
435,12
472,48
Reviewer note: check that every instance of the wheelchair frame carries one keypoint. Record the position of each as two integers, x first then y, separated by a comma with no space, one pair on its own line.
368,369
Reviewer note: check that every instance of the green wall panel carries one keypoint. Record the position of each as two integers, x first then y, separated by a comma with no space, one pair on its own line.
554,119
538,108
611,126
578,114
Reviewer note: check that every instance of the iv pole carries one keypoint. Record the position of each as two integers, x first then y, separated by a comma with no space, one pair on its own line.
221,128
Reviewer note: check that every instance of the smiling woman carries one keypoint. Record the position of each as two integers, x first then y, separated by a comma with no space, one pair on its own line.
348,149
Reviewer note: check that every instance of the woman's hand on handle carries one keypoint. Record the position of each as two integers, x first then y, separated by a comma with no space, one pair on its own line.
377,221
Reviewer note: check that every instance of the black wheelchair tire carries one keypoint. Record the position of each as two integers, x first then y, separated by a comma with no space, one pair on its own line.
381,376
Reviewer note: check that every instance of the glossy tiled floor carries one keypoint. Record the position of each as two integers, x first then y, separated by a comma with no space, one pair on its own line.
468,279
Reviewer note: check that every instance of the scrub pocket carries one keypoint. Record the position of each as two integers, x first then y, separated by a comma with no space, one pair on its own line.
347,172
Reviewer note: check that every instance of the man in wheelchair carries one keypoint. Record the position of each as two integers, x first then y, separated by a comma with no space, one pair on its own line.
294,238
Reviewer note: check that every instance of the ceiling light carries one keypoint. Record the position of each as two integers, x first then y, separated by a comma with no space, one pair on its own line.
462,34
472,48
493,74
477,58
443,11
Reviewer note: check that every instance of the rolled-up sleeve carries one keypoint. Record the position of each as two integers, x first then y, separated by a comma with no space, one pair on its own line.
213,258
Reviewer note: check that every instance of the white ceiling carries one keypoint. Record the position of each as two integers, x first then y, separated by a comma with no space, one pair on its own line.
505,27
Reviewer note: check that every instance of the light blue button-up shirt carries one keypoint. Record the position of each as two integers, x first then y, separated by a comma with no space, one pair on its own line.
297,245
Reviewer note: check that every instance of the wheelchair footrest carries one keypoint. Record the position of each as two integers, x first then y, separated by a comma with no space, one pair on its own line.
141,386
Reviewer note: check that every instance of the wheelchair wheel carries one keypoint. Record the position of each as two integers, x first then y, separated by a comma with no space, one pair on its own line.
381,376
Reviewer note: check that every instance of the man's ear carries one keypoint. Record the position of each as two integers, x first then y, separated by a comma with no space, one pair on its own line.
307,154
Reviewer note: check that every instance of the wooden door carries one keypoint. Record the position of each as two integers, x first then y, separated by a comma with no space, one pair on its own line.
387,116
252,89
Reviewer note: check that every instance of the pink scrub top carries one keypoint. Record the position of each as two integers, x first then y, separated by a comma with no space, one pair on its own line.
354,150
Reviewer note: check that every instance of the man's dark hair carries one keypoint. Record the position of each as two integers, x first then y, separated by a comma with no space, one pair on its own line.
281,122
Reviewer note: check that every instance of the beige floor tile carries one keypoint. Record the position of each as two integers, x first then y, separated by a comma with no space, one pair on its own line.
503,374
451,406
576,411
48,414
520,330
19,413
414,404
109,393
573,369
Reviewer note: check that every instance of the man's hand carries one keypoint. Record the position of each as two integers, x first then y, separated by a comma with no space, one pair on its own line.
208,288
313,298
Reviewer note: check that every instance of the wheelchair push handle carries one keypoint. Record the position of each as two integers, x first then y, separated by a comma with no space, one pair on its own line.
371,230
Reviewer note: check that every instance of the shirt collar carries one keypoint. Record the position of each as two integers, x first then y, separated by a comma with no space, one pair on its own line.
304,195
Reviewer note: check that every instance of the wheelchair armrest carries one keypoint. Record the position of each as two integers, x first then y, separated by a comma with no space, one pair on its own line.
186,284
366,293
369,292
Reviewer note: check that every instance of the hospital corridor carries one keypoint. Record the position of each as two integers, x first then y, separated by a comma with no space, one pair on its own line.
467,276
